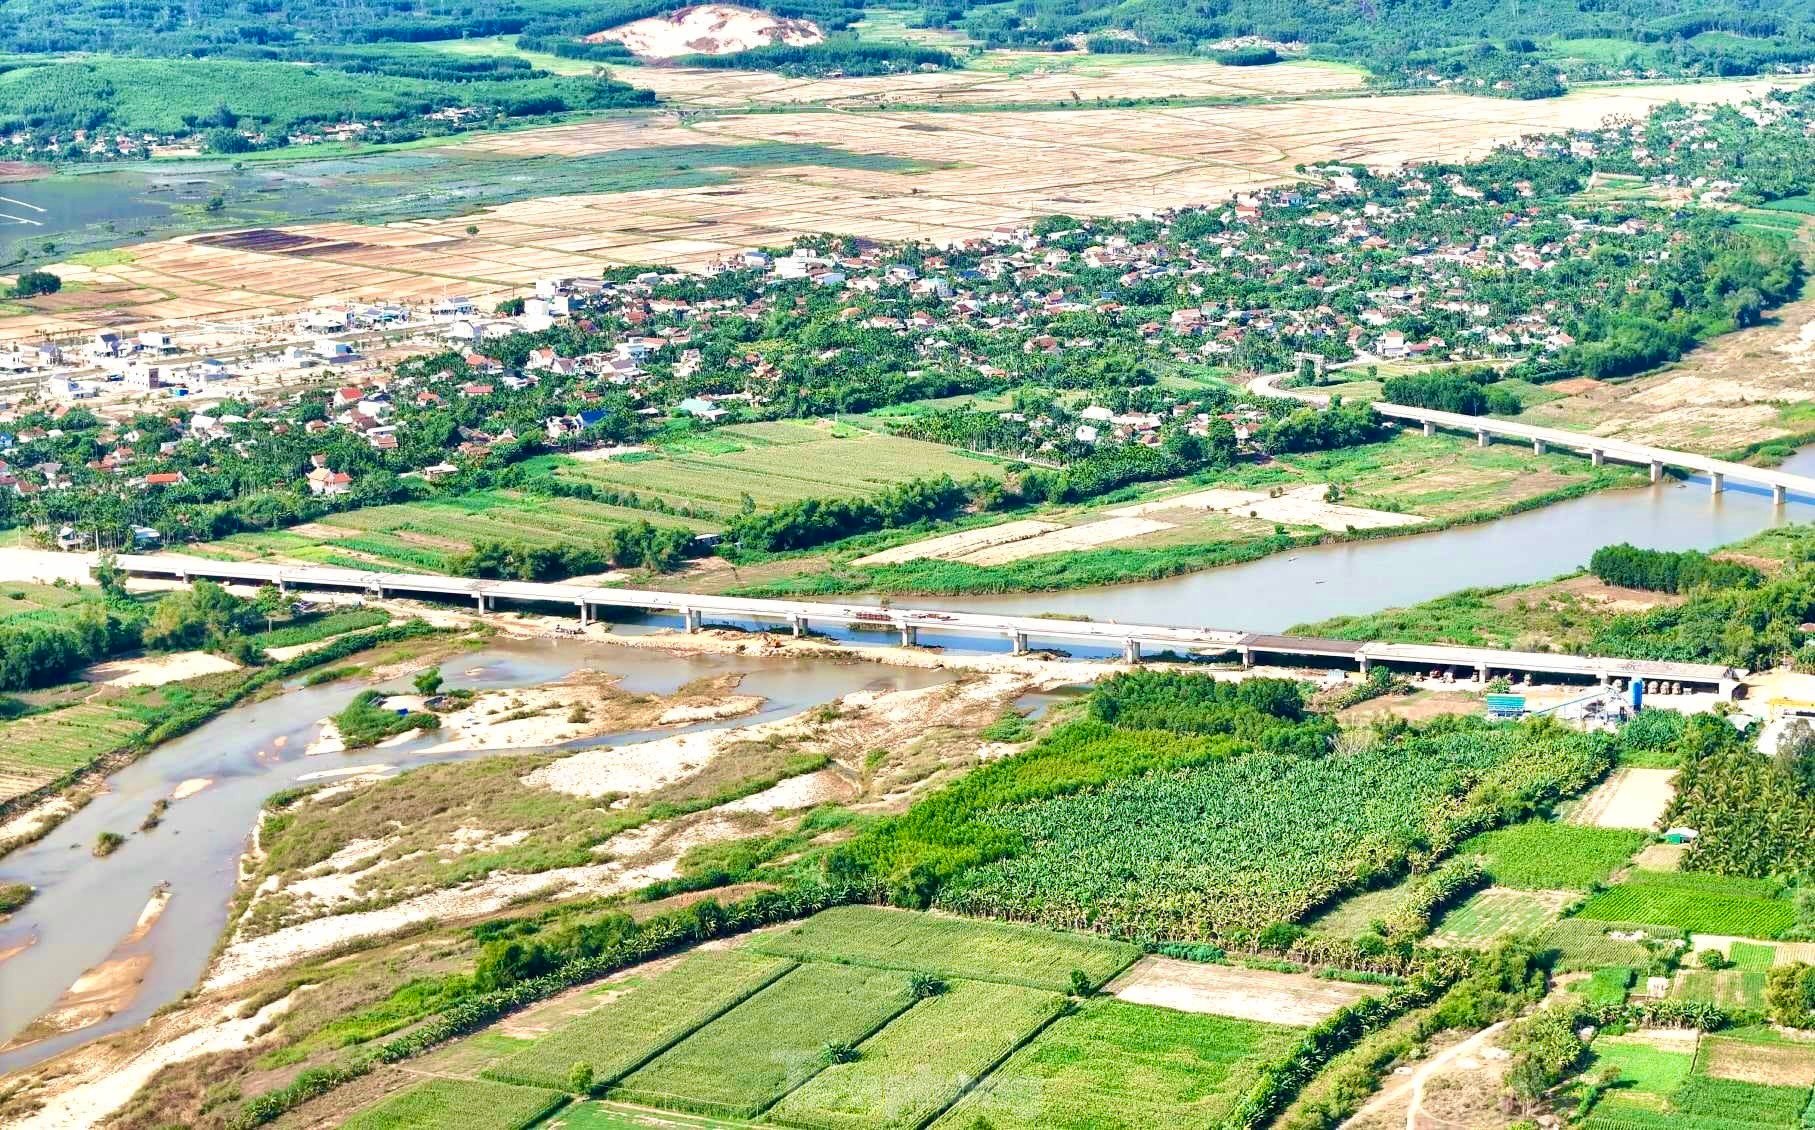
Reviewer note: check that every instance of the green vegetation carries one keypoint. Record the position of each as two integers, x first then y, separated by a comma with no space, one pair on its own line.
14,895
1112,1065
843,55
1699,903
1607,986
1495,914
741,1063
949,947
459,1104
1587,944
1644,1069
364,723
923,1061
1660,571
630,1029
1543,855
313,629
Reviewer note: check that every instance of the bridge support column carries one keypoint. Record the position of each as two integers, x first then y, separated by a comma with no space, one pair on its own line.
1481,438
1597,457
1538,447
1430,429
1017,643
584,616
283,586
1717,482
691,618
1247,656
478,598
1657,471
798,626
1131,651
1481,672
910,635
1779,495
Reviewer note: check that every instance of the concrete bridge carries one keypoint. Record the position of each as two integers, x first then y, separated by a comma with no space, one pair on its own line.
909,625
1599,449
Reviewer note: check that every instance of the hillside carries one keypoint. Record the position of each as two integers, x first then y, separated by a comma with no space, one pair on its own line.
709,29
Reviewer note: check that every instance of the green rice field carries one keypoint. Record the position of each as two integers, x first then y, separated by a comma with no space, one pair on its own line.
949,947
773,463
922,1062
1540,855
1702,904
741,1063
1497,913
459,1104
1112,1065
424,535
630,1029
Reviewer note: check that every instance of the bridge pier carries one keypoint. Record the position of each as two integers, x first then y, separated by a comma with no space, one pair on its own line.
584,618
1363,661
798,626
1430,429
1481,672
1482,439
1131,651
1597,457
1247,656
283,586
1539,447
1779,495
1657,471
691,618
478,598
910,635
1017,643
1717,482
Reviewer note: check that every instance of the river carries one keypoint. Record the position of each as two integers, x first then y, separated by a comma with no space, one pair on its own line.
84,906
1352,578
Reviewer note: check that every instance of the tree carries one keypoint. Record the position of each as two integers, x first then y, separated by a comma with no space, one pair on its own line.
1790,995
33,283
429,681
579,1078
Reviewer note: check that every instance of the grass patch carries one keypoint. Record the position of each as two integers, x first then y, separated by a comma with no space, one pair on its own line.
456,1104
949,947
1539,855
742,1062
919,1064
1113,1065
311,629
1698,903
1644,1069
627,1031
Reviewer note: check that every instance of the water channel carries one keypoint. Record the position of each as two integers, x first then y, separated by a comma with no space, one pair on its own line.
83,909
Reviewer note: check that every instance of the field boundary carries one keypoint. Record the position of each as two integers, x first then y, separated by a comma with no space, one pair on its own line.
996,1065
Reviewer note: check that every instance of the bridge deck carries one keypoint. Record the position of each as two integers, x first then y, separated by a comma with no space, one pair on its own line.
1200,640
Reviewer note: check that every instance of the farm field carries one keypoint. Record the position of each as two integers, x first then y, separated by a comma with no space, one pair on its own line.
631,1028
422,536
921,1063
1587,943
1228,990
1540,855
1500,912
456,1104
947,947
1706,904
748,1058
1113,1065
929,175
773,463
1233,845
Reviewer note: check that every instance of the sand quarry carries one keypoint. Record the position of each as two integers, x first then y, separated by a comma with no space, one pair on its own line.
709,29
974,173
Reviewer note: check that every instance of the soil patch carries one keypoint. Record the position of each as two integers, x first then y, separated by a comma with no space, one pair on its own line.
1631,798
1228,990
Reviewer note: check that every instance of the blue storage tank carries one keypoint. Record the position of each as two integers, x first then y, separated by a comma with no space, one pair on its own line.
1637,687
